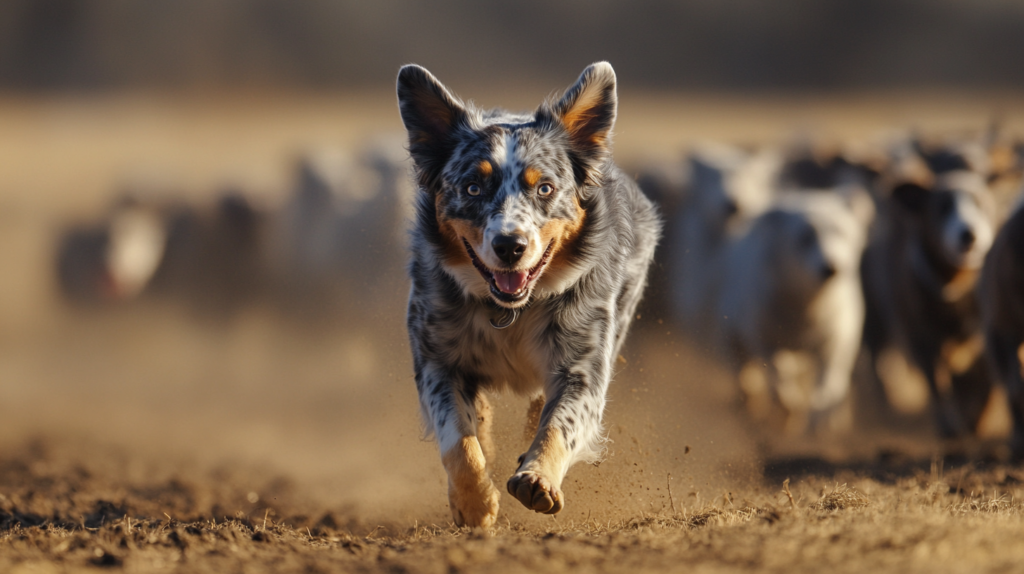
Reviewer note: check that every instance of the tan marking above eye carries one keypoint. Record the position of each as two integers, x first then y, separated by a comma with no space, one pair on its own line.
485,168
531,176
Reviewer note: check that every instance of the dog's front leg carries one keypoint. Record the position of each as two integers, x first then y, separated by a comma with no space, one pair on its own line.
570,430
461,423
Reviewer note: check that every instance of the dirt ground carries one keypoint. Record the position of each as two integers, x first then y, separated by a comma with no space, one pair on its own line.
150,438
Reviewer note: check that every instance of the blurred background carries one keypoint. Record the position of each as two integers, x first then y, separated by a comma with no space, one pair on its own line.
202,209
728,45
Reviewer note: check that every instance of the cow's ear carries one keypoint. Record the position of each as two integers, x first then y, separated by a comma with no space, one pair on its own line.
587,111
431,115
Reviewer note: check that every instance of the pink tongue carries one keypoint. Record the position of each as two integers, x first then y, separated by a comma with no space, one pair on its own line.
510,281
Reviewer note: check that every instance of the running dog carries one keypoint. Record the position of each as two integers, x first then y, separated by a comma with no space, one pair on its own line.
530,252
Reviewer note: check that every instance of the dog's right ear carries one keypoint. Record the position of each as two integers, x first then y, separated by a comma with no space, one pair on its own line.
431,115
911,197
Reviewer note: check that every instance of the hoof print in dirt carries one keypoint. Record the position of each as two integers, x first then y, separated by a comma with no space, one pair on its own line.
536,492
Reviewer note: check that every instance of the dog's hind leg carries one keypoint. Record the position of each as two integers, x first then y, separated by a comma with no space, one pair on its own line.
533,417
463,434
484,423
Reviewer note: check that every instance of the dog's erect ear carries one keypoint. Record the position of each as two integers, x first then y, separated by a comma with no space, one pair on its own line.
431,115
911,196
587,111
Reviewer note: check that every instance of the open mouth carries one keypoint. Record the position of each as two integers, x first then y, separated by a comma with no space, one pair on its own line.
510,286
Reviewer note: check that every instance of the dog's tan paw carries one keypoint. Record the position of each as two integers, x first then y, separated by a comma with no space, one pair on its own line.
475,505
535,492
471,494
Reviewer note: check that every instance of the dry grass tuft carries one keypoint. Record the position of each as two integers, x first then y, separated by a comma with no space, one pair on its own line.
704,517
1001,505
841,497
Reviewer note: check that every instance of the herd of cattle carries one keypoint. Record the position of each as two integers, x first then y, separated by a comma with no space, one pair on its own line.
333,248
786,262
789,263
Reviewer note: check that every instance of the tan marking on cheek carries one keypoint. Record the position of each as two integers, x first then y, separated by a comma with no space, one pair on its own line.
485,168
452,232
564,234
531,176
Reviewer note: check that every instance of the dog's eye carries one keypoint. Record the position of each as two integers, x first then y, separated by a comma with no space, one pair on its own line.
545,189
473,189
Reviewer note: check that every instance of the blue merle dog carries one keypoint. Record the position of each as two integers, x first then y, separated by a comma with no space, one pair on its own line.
530,252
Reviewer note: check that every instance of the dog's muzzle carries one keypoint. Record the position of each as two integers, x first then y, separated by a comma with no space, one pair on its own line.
510,287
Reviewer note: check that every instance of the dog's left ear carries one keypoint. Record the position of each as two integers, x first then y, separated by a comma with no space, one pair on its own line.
587,111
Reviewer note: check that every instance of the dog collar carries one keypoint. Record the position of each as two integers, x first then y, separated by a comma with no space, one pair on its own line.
504,318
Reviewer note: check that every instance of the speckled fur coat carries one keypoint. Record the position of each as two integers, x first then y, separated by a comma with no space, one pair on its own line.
530,252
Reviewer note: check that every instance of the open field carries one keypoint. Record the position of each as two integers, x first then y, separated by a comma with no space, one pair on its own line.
149,439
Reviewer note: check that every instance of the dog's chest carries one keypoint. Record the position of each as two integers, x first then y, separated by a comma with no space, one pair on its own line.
517,358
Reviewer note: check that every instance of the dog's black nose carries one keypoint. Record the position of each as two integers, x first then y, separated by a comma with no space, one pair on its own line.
509,248
967,238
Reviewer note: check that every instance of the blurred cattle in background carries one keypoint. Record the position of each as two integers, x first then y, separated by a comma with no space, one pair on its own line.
1001,298
819,165
214,255
157,246
339,240
666,185
938,217
727,188
790,309
335,248
115,258
761,266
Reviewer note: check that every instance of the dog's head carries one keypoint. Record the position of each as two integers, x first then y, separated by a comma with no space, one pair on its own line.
507,192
